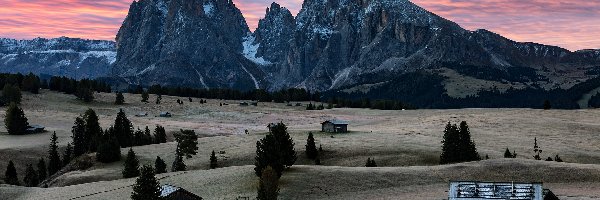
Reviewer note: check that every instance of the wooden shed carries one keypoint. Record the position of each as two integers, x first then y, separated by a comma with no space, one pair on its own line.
170,192
334,126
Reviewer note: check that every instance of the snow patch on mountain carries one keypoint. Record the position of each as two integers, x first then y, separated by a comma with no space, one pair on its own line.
250,51
208,9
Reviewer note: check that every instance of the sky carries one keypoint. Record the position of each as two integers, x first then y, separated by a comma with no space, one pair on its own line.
572,24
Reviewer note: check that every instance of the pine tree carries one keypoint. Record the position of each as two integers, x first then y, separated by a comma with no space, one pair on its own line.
160,136
268,187
15,120
450,145
537,151
507,154
10,176
178,164
92,130
213,160
160,165
131,165
123,129
146,186
31,83
147,136
145,96
84,92
11,93
119,99
187,141
109,149
371,163
279,131
42,170
547,105
158,98
54,162
268,154
467,149
31,178
311,147
67,154
80,140
138,137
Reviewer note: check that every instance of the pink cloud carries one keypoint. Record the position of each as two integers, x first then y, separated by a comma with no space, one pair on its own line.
571,24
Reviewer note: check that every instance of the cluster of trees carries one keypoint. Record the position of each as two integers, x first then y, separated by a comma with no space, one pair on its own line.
310,106
274,153
508,154
371,163
367,103
292,94
13,84
537,150
83,89
457,145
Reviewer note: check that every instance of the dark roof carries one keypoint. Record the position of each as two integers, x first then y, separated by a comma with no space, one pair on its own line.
336,122
174,192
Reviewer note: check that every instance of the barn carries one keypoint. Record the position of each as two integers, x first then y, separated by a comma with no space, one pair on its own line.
170,192
475,190
334,126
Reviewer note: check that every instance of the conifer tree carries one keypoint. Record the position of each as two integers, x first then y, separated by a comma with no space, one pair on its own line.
146,186
15,120
123,129
557,158
536,149
147,136
145,96
158,98
187,142
138,137
10,175
371,163
131,165
507,154
311,147
54,162
80,140
109,149
119,99
547,105
67,154
268,154
11,93
93,131
160,166
31,83
160,135
42,170
84,92
268,187
213,160
31,178
467,149
178,164
449,145
286,144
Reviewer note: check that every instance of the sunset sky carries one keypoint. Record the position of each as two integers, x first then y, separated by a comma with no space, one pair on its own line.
572,24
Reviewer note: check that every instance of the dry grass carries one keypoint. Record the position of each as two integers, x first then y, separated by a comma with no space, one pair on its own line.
394,138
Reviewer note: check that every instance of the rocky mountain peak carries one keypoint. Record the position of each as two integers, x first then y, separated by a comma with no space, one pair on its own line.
273,33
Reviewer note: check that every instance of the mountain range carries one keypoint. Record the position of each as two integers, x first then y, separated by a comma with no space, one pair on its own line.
342,46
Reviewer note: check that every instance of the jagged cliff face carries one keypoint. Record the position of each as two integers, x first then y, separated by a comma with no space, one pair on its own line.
194,43
63,56
329,45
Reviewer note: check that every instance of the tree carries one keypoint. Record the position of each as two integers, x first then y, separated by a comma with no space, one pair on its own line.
145,96
268,154
547,105
15,120
187,142
54,162
68,154
457,145
119,99
131,165
279,131
31,83
109,149
536,149
80,140
146,186
213,160
507,154
147,136
268,187
158,98
557,158
160,165
123,129
371,163
467,149
178,164
31,178
138,138
160,136
92,130
10,176
42,170
84,91
311,147
11,93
